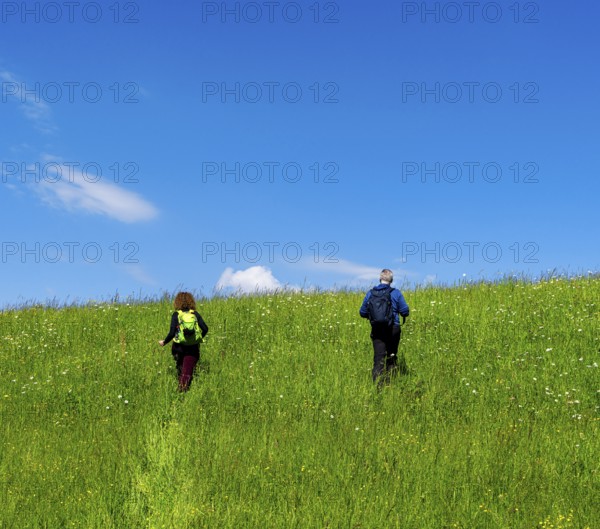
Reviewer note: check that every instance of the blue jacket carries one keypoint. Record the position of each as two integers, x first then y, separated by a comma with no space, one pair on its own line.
399,305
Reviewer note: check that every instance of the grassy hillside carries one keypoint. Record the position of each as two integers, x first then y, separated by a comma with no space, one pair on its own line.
496,426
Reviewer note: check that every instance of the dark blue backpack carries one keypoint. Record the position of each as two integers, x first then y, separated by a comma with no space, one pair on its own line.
379,307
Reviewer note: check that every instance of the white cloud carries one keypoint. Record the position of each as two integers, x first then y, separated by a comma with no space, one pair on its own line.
346,274
356,271
354,274
139,273
33,107
74,192
252,280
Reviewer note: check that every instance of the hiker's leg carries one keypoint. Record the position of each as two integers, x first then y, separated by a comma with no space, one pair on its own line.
187,372
379,353
178,357
399,361
392,342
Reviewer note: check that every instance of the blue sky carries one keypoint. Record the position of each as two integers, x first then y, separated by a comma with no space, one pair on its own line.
244,145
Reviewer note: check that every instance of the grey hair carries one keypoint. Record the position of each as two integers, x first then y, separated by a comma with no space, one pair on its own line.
386,275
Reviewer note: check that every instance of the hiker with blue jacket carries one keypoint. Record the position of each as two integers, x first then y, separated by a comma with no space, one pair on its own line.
383,306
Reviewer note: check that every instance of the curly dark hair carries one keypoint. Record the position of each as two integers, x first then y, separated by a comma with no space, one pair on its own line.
184,301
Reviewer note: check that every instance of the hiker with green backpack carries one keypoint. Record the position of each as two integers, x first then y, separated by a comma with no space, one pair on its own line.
187,332
383,306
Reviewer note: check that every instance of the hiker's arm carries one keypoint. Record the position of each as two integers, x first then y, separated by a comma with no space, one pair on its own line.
402,306
172,330
364,313
203,326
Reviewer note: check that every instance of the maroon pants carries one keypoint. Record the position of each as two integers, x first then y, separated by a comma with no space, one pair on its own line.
186,358
185,371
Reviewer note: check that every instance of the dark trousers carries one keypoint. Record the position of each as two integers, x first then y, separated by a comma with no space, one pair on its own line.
385,351
186,357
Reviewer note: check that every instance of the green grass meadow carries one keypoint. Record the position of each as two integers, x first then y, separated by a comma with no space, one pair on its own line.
495,426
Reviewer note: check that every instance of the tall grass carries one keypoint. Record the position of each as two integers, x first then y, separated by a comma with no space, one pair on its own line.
496,425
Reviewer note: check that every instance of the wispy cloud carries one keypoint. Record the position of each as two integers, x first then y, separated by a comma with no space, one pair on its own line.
140,274
33,107
76,193
346,269
102,198
353,274
343,274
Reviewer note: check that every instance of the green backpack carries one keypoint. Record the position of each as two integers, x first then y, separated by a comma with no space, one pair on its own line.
188,330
